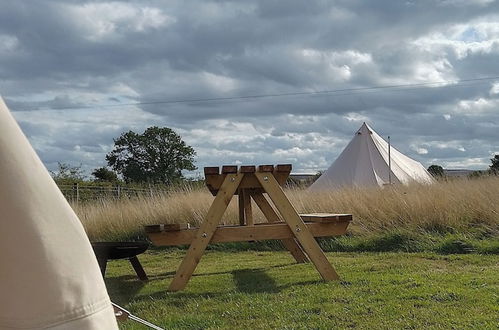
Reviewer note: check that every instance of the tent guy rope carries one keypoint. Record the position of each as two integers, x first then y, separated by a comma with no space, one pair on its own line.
122,314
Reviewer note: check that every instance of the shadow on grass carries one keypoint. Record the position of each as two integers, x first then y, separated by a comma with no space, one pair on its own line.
182,298
166,275
123,288
254,281
258,284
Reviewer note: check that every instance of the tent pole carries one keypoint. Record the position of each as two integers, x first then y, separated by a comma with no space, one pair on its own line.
389,162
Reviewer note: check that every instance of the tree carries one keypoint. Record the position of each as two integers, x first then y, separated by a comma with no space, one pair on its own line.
102,174
475,175
159,155
66,172
436,170
316,176
494,168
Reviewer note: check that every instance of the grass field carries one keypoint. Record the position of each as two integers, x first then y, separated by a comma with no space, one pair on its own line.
448,280
256,290
447,217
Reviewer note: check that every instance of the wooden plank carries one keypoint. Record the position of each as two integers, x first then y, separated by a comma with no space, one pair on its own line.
226,169
240,204
298,227
286,168
250,182
247,169
248,212
266,208
281,177
281,173
205,232
211,170
213,182
265,168
152,228
258,232
165,227
290,243
325,217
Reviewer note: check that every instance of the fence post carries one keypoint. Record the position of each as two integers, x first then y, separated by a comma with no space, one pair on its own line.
150,190
76,192
118,191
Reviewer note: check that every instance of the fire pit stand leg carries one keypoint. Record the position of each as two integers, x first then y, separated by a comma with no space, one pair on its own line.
138,268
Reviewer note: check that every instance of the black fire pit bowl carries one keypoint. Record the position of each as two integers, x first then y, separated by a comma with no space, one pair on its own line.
105,251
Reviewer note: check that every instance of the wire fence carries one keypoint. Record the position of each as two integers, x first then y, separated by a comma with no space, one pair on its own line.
86,192
78,192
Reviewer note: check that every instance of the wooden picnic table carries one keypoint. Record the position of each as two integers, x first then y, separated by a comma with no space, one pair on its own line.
263,185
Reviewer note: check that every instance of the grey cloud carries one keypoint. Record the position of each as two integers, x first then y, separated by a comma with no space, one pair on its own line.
211,49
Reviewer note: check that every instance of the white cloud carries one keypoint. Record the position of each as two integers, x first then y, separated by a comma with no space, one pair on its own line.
79,136
102,20
467,163
124,90
219,82
8,43
354,116
437,70
292,154
337,65
494,89
422,151
477,106
476,37
462,3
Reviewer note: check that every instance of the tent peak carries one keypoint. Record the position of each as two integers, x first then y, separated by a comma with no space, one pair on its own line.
364,129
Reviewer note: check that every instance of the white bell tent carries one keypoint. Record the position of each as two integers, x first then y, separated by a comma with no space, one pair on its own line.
368,160
49,276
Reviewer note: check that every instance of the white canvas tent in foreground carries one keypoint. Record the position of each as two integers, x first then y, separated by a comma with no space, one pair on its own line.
365,162
49,276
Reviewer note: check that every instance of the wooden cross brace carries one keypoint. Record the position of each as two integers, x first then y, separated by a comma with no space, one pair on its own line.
249,184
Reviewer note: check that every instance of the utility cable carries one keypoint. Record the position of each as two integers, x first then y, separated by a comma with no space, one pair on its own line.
344,91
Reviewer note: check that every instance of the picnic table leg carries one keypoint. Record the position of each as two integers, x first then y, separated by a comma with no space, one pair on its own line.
138,268
205,231
241,208
248,213
297,226
290,243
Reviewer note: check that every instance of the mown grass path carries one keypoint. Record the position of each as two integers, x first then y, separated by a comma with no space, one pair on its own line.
256,290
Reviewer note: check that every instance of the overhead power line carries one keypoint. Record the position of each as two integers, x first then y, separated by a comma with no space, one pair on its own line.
344,91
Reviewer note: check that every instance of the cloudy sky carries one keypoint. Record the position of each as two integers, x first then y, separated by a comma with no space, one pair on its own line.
77,74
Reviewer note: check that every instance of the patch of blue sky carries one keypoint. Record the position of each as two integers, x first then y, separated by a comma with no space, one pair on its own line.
471,35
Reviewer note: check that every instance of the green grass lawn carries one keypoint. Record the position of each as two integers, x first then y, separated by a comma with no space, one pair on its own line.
254,290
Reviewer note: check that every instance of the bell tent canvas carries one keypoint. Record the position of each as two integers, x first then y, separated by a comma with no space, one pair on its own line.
366,161
49,276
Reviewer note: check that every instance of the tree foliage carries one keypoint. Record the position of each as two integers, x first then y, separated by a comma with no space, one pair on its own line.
103,174
436,170
494,168
68,173
159,155
476,174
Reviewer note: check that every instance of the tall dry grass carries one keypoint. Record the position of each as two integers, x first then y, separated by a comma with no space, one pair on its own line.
458,206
